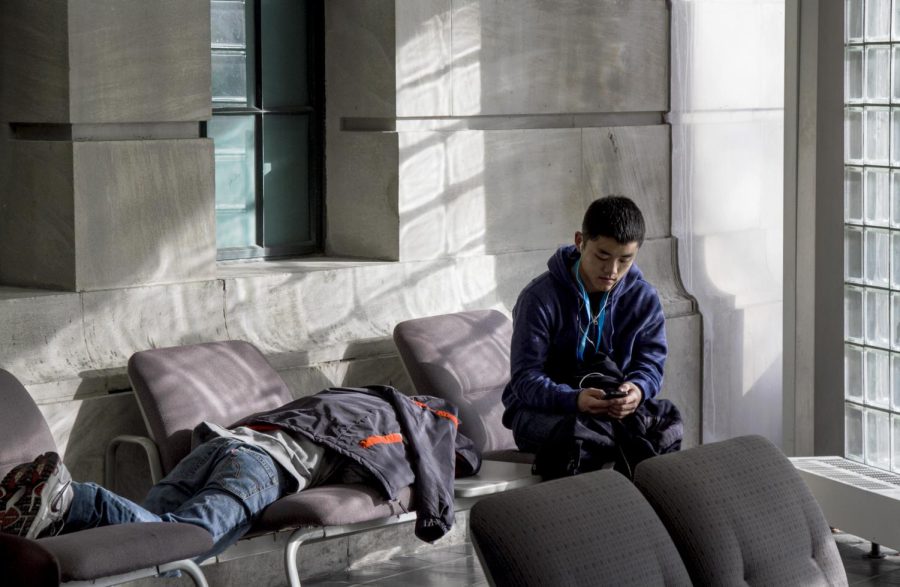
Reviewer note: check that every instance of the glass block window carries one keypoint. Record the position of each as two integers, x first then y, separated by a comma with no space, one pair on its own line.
872,232
267,126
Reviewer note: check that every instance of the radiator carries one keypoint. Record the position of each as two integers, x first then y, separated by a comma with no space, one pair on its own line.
856,498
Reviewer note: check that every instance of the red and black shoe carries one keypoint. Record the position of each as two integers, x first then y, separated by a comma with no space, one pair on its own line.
35,496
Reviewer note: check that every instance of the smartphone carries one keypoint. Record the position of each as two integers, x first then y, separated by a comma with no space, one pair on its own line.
614,393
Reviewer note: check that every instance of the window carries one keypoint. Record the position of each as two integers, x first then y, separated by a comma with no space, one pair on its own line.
872,232
267,126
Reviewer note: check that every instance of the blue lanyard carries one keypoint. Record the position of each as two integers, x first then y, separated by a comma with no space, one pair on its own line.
601,316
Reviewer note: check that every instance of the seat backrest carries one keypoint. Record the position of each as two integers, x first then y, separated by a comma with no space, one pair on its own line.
24,433
219,382
741,515
463,358
591,529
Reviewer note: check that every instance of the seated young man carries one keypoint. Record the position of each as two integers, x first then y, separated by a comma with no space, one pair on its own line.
587,355
373,435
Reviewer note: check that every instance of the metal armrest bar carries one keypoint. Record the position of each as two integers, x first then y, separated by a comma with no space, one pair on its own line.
150,449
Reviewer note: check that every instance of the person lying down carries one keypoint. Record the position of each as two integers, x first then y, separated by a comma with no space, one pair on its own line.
373,435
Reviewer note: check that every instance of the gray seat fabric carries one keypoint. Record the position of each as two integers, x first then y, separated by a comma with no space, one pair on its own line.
332,505
25,562
87,554
464,358
113,550
23,430
592,529
222,382
741,515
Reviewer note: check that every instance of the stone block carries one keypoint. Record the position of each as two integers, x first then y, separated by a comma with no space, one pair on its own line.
511,60
93,215
144,212
102,61
83,428
37,232
657,262
512,273
267,569
360,59
134,61
381,544
362,177
382,370
423,57
632,161
120,322
290,311
477,192
42,338
34,61
684,372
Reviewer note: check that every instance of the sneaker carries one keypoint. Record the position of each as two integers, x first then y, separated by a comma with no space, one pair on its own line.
35,497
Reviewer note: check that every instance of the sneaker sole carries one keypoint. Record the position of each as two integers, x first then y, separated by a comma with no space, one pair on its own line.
13,481
15,485
46,473
29,515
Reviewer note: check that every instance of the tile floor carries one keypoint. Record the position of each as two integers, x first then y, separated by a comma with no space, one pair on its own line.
458,566
865,571
451,566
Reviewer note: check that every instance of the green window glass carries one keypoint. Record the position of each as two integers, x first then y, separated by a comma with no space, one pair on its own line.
267,126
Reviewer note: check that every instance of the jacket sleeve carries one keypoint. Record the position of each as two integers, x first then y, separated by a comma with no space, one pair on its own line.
648,356
531,340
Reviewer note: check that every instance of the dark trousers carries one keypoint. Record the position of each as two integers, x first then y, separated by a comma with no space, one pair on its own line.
569,444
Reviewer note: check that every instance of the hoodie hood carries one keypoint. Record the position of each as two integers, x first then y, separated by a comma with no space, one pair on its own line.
560,266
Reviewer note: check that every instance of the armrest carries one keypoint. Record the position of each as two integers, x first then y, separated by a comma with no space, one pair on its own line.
149,449
26,562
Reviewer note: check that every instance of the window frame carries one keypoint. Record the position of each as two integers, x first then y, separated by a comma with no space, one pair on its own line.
315,113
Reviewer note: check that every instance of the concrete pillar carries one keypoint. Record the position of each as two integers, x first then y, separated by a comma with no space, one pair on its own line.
104,181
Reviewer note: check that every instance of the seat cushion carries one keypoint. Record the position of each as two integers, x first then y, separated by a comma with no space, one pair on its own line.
26,562
741,515
591,529
113,550
220,382
463,358
331,505
24,431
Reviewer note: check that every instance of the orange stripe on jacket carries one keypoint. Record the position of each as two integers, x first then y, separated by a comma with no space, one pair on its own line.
441,413
385,439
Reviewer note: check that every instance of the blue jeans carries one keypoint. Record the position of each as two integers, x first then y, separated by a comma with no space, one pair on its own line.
222,486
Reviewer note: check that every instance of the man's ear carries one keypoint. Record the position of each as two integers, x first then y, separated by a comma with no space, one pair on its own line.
579,240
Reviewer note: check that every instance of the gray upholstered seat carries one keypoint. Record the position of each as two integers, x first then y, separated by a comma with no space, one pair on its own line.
222,382
741,515
464,358
592,529
96,553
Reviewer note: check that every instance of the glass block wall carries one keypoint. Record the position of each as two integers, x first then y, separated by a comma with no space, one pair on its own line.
872,232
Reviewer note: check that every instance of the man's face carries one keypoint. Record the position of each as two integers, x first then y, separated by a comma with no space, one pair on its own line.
604,261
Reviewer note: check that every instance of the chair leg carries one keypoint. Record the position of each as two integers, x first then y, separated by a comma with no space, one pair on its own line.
874,552
293,548
186,566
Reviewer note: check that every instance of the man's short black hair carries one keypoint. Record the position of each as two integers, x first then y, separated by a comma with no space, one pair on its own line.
616,217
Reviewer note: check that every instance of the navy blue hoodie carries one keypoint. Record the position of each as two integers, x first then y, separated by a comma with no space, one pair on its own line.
547,322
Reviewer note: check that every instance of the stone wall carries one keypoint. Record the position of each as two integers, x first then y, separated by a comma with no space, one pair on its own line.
464,140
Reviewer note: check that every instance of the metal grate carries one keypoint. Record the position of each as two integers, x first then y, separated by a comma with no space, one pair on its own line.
850,472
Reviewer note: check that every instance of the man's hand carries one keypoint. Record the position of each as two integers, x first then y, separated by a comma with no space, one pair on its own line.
591,401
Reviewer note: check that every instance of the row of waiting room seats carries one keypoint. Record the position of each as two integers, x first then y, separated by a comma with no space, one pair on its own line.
724,498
